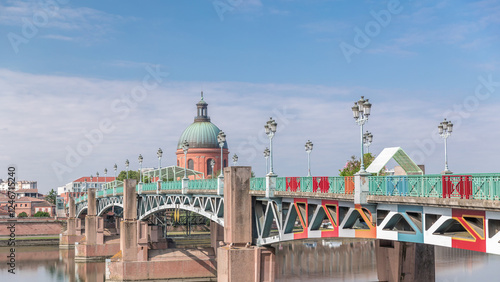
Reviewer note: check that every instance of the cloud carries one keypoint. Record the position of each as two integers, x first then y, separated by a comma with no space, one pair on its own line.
63,22
43,115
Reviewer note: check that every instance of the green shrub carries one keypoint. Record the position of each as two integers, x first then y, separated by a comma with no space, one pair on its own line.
41,214
23,214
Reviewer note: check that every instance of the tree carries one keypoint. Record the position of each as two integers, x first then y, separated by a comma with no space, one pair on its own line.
132,174
51,197
353,165
23,214
41,214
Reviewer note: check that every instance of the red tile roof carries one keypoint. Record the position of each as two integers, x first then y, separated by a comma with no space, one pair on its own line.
95,179
27,191
28,199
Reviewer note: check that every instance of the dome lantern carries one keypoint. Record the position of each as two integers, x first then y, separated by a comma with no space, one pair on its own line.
202,111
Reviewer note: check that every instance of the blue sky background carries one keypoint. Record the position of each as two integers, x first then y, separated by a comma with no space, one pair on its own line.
258,59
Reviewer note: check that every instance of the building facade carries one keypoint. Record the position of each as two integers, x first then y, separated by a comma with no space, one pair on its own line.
78,187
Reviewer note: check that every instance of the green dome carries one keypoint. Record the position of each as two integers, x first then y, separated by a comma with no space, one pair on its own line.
201,135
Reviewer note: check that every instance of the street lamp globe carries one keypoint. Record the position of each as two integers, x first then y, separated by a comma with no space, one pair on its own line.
185,148
445,129
309,148
221,138
361,111
270,129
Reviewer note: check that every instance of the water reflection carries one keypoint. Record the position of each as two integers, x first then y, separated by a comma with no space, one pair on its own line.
355,260
326,260
49,263
317,260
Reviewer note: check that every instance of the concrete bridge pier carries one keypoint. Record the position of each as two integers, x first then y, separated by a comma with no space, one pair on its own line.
73,233
238,260
94,247
403,261
216,235
144,255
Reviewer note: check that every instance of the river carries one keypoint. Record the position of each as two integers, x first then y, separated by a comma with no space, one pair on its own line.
320,260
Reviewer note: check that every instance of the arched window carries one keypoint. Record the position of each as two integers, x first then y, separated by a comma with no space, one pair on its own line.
209,167
225,163
177,162
190,164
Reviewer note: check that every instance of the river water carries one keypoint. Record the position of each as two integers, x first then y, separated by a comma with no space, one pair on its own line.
320,260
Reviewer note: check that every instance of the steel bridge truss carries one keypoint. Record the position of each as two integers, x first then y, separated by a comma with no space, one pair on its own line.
209,206
285,219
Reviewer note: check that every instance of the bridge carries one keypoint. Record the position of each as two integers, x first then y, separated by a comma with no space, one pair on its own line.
405,213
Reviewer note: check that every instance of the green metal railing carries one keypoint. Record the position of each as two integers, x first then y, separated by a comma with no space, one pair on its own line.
205,184
258,184
481,186
171,185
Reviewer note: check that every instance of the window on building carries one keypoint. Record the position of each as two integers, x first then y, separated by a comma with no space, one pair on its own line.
190,164
225,163
209,167
177,162
25,205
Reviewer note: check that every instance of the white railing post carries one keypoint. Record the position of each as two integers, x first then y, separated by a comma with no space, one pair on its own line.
270,185
361,188
220,186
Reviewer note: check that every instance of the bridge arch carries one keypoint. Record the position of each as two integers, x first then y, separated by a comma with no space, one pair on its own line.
209,206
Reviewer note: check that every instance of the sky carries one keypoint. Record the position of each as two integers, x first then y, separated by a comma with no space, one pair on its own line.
87,84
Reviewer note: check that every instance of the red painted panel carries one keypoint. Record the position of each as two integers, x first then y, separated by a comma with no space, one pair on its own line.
457,186
303,221
322,183
334,221
293,184
477,244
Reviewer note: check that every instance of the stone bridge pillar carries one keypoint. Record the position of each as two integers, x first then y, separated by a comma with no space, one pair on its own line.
216,235
71,219
238,260
128,227
403,261
73,233
92,227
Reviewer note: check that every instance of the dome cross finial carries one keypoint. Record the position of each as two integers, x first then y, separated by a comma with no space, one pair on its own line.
202,95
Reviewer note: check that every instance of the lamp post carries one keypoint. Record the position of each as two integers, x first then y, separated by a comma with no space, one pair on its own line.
185,148
97,185
116,168
367,140
270,128
309,148
235,159
212,164
221,138
140,169
159,153
361,111
126,165
105,176
266,156
91,185
445,130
